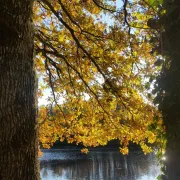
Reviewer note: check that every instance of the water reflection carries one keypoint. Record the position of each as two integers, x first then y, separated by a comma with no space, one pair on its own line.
97,165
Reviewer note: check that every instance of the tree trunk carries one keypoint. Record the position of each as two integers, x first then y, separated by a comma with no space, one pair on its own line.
18,132
171,86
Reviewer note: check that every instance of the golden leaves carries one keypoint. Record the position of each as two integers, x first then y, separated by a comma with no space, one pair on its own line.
95,73
84,150
124,150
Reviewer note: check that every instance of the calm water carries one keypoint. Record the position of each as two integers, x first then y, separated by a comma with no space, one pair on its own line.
70,164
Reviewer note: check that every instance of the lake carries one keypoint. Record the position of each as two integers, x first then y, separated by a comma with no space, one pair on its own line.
100,164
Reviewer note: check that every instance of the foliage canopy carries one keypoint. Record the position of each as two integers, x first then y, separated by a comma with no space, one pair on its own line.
98,72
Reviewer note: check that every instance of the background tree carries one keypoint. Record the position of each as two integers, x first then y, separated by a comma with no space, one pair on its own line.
18,132
169,89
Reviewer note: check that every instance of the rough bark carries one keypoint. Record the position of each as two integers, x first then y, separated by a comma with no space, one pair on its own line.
18,132
171,87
